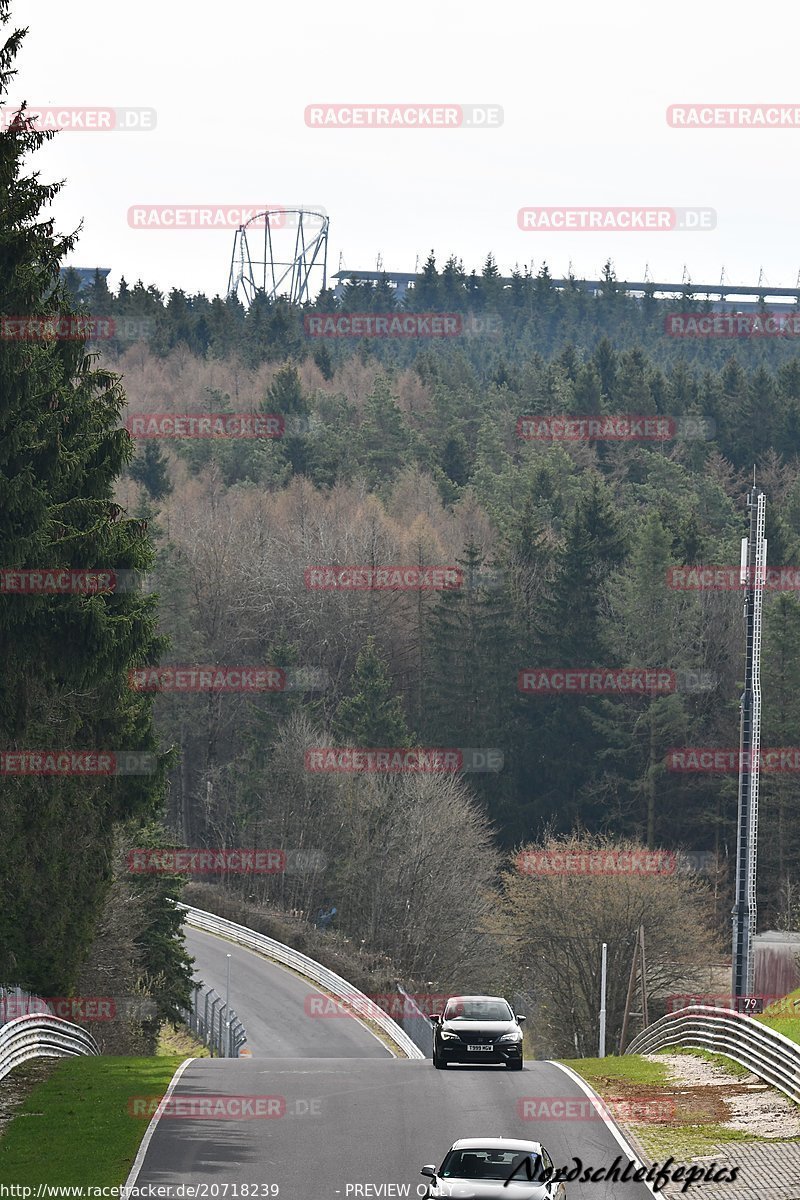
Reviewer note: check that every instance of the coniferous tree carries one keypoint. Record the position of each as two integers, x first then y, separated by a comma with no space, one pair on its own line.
385,441
285,397
426,293
150,469
470,689
573,634
371,715
66,656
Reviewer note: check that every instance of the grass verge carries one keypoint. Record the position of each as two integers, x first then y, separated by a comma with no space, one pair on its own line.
685,1122
75,1127
177,1039
630,1068
778,1017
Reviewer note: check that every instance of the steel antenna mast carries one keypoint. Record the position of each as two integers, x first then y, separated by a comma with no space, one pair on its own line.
752,576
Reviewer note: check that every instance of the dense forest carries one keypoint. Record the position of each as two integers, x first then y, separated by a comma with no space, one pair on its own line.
395,453
565,549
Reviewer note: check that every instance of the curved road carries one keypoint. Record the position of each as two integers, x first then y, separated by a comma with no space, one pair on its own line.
328,1123
276,1006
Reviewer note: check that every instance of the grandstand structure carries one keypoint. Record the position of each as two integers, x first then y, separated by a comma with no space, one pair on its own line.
85,275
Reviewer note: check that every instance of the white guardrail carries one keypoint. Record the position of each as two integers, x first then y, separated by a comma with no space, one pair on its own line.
764,1051
39,1036
329,980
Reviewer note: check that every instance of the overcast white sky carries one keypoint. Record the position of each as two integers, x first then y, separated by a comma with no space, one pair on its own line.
584,88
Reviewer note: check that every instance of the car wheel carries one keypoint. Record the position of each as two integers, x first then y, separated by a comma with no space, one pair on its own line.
437,1060
516,1065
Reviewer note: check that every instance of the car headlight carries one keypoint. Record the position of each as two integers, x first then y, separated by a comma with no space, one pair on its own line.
449,1037
510,1037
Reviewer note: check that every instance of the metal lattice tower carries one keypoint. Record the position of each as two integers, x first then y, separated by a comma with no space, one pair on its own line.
259,272
753,567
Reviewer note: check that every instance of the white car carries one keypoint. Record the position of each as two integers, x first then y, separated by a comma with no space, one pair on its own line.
488,1168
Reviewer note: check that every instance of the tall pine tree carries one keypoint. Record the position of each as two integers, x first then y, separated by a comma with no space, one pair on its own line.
66,656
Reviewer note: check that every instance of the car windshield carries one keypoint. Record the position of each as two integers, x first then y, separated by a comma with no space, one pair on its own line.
478,1010
489,1164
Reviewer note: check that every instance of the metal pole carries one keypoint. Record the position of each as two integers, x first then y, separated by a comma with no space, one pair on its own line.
645,1017
629,997
602,1051
228,1008
212,1035
205,1014
753,564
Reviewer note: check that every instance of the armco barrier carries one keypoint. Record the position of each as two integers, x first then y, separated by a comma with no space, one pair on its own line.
38,1036
329,980
764,1051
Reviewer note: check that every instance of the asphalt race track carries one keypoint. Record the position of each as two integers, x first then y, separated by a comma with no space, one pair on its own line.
342,1123
271,1003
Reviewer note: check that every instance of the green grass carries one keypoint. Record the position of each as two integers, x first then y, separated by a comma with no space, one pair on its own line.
685,1142
75,1127
631,1068
780,1021
177,1039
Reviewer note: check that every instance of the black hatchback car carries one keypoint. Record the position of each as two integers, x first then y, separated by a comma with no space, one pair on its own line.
476,1029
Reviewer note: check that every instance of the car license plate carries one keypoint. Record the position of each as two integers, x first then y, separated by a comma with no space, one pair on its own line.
489,1047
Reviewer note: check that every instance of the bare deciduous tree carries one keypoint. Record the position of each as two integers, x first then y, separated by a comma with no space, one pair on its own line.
553,925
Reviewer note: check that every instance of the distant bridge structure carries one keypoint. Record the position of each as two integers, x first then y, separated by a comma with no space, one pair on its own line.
744,295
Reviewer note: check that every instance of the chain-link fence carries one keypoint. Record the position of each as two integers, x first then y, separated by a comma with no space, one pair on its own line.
412,1020
210,1021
